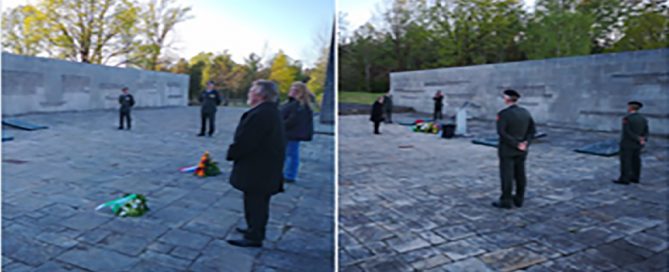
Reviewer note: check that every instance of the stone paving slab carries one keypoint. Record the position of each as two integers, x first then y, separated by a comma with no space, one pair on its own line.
416,202
53,179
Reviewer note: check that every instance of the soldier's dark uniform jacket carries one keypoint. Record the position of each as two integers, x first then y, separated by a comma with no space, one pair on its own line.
209,101
634,127
514,125
126,101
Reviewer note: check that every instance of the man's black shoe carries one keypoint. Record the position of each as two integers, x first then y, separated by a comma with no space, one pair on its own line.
497,204
120,128
245,243
617,181
242,231
200,135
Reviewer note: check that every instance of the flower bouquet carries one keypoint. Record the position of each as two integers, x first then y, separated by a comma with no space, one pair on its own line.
129,205
425,127
207,167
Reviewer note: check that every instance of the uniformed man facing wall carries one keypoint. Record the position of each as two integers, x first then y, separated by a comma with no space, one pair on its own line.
209,99
634,138
126,101
515,128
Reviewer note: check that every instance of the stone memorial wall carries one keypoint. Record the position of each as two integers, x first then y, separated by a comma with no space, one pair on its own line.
589,92
32,84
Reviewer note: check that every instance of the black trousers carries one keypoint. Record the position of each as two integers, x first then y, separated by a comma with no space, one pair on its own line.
437,113
211,118
377,124
124,115
512,168
389,116
630,164
256,212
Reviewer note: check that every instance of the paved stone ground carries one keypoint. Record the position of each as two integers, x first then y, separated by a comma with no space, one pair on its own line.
415,202
53,179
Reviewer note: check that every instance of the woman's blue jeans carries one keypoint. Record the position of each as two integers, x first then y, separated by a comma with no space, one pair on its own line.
292,162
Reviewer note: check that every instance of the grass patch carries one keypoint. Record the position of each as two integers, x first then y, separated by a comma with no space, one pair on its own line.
358,97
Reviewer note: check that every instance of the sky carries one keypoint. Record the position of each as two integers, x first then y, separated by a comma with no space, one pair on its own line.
298,27
358,12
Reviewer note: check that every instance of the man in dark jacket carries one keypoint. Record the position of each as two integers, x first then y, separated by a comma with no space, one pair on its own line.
126,101
438,106
377,114
388,107
633,139
258,151
515,128
209,99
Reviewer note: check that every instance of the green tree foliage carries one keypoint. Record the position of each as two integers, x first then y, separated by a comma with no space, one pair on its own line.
283,73
129,32
317,76
158,19
23,30
556,30
648,29
181,67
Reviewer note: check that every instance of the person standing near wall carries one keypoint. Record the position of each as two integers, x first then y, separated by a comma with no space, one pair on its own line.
258,153
438,106
515,128
377,114
126,101
209,101
388,107
633,139
298,119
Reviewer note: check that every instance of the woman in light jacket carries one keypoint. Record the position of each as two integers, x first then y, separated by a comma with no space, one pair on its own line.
298,121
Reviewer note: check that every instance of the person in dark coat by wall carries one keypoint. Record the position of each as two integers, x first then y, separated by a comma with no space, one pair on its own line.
377,114
258,152
298,119
388,107
126,101
438,106
515,128
209,99
633,139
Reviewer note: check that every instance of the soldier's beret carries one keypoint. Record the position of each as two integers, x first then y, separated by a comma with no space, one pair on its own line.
635,103
512,93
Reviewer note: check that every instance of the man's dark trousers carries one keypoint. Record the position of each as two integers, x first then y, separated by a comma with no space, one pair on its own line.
512,168
211,118
256,212
124,115
630,164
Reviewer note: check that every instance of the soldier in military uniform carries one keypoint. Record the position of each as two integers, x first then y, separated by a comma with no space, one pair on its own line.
634,138
126,101
209,99
515,128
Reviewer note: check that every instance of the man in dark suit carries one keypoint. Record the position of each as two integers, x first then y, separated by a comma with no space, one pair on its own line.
258,153
126,101
209,99
515,128
634,138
